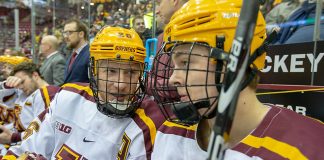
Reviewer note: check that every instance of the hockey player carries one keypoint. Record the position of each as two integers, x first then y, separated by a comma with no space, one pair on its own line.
106,120
9,62
199,36
26,78
9,96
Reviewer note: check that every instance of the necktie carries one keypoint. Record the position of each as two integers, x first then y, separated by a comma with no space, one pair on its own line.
72,60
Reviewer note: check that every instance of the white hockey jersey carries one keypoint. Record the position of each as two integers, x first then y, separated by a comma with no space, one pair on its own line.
9,98
34,104
177,142
73,128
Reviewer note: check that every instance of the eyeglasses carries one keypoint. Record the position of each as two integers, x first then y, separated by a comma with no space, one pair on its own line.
140,23
67,33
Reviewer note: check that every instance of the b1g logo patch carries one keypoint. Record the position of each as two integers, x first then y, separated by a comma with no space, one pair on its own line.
63,127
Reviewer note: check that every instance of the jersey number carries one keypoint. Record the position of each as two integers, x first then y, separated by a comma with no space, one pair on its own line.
67,153
33,126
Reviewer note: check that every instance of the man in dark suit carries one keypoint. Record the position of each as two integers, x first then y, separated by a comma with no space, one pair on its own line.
53,66
75,35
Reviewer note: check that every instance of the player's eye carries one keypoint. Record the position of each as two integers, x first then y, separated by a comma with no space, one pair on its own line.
112,71
184,63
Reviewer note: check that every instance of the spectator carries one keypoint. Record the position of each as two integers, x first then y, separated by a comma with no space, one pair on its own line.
166,9
305,33
9,52
138,24
299,19
280,13
52,68
164,13
139,27
75,35
63,49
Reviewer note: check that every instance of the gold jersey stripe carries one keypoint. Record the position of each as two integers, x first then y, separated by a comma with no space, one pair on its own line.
171,124
281,148
12,157
149,122
83,88
46,96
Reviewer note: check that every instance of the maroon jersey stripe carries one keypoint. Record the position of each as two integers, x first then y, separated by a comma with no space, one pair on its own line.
9,97
302,136
172,128
10,153
150,111
41,116
147,134
52,90
153,111
82,90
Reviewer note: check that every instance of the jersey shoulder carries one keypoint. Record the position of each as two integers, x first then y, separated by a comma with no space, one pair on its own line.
300,136
48,93
170,128
149,113
142,130
79,89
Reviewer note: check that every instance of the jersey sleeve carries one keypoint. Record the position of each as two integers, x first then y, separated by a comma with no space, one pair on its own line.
38,103
7,95
141,132
39,137
174,141
43,98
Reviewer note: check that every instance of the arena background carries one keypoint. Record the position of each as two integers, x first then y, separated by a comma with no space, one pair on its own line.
291,78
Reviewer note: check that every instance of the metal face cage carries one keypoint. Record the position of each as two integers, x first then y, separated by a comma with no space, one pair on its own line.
117,86
186,82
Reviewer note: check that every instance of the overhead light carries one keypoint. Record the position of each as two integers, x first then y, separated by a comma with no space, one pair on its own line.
91,3
82,7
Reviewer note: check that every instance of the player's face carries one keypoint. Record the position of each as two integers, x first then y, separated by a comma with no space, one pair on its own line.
28,84
6,70
118,80
194,74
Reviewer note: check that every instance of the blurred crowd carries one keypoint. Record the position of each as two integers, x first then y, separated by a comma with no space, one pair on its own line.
113,13
122,13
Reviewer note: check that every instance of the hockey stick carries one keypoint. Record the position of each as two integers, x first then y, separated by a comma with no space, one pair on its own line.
236,68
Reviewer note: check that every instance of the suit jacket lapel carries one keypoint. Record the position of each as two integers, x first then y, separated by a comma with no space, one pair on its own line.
79,56
67,72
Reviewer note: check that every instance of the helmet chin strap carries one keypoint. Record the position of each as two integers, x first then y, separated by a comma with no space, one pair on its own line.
188,112
252,72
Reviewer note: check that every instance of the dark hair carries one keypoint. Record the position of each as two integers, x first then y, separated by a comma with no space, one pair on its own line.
80,26
28,67
135,18
254,82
